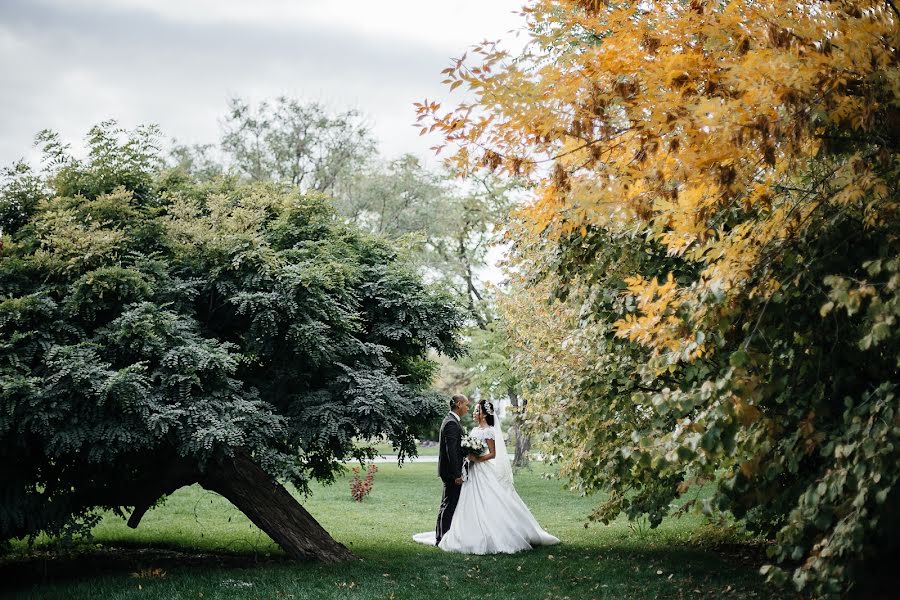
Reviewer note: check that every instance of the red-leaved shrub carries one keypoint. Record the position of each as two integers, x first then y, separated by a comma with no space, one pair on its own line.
359,488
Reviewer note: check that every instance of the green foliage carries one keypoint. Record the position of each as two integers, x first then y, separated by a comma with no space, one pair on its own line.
150,323
489,359
788,402
584,385
20,192
447,226
395,199
450,226
116,158
293,142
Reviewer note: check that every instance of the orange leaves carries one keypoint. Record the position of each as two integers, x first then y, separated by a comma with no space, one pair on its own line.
746,413
680,117
656,303
426,109
811,438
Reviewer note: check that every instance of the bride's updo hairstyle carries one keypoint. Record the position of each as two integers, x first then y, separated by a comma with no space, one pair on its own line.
487,409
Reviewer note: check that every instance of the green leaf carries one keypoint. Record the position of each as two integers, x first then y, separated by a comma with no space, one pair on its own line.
738,358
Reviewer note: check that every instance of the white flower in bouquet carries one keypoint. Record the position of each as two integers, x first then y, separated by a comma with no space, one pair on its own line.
473,445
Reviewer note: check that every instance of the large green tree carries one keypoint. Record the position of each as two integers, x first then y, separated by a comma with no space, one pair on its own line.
156,332
452,227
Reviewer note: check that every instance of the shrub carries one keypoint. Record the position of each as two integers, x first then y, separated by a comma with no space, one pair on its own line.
360,488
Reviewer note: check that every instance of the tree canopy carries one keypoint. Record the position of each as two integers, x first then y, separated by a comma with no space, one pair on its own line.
299,143
156,331
707,276
450,225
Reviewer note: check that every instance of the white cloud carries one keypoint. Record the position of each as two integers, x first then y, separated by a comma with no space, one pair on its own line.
440,25
68,64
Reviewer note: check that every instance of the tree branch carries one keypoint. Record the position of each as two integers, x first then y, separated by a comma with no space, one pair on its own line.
157,486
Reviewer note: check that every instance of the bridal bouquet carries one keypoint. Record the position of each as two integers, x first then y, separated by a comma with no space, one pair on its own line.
473,445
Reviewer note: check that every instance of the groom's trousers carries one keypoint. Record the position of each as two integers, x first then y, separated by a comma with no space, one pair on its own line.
449,499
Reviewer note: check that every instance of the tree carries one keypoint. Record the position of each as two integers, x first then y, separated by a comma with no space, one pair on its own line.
197,161
453,224
471,224
394,199
303,144
450,226
298,143
588,388
157,332
489,360
715,203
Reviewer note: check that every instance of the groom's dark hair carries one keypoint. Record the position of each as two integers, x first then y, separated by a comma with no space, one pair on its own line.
456,400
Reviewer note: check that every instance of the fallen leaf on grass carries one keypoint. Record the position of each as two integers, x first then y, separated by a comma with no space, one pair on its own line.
154,572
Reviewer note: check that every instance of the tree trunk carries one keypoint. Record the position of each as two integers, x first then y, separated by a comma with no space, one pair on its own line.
472,294
272,508
523,449
523,442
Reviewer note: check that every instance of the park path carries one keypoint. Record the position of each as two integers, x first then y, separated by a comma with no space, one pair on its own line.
393,459
422,459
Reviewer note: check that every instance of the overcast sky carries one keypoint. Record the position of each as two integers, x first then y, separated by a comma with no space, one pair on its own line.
68,64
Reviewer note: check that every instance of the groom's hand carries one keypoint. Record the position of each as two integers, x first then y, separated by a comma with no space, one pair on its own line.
458,481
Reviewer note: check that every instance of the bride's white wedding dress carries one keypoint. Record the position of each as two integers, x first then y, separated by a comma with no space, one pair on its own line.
490,517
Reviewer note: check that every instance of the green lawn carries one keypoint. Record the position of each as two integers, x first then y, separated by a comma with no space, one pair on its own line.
197,546
386,450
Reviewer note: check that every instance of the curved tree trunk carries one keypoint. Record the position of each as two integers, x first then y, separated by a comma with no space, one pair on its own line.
240,480
272,508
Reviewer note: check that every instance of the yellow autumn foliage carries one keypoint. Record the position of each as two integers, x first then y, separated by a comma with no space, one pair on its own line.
679,114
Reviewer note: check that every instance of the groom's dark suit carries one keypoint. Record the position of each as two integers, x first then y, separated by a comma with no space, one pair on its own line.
450,461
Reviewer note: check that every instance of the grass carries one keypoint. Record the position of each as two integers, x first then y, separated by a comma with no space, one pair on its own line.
198,546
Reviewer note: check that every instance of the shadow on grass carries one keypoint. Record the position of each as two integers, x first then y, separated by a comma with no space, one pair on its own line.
139,560
695,566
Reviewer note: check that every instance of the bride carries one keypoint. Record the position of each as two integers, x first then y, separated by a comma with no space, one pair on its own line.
490,517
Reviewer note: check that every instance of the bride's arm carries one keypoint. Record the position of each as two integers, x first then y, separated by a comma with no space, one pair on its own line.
492,451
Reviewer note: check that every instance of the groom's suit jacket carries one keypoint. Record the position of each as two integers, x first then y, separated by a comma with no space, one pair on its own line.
450,458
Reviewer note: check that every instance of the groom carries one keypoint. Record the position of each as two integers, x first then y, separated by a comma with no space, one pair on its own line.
450,461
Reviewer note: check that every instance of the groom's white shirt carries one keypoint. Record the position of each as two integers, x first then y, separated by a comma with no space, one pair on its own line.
455,415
